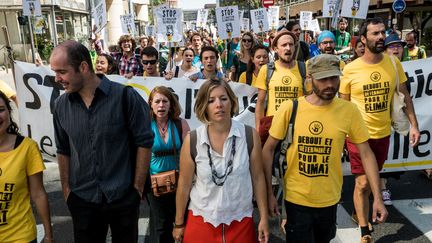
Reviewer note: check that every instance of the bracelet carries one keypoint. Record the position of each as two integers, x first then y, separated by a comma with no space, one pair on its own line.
178,226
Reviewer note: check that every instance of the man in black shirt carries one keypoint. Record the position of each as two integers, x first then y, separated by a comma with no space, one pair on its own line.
104,140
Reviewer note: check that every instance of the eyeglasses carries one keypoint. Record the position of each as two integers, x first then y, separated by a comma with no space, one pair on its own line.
146,62
327,42
247,40
395,46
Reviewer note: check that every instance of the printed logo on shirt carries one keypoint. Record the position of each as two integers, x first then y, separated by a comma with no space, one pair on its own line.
286,80
5,200
314,153
375,76
315,127
376,95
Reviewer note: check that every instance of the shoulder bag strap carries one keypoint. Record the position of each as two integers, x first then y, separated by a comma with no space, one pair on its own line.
193,143
173,138
177,69
249,139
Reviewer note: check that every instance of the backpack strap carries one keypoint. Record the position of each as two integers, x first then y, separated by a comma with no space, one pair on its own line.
270,70
193,143
177,69
302,69
178,125
249,139
420,53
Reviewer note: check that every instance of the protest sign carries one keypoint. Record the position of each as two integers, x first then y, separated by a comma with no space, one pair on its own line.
356,9
128,24
202,16
273,17
228,22
100,16
314,26
169,25
305,19
32,8
245,24
329,8
259,20
150,30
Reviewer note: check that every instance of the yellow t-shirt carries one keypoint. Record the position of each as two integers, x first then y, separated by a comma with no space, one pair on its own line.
413,54
314,171
242,79
17,223
8,91
371,87
284,84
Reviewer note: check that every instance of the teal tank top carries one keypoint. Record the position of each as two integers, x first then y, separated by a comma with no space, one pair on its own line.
163,158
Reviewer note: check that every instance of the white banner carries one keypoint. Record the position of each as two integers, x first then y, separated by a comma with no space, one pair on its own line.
37,91
99,16
356,9
259,20
128,24
228,23
169,25
305,19
273,17
202,16
245,24
32,8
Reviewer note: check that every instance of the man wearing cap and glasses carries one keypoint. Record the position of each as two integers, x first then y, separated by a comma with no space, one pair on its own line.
369,82
313,179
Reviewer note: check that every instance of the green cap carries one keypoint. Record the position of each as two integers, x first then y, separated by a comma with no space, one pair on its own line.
324,66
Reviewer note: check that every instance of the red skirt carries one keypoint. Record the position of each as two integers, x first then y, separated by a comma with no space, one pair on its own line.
198,231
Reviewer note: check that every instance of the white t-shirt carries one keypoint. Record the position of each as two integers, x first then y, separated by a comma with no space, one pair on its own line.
232,201
182,73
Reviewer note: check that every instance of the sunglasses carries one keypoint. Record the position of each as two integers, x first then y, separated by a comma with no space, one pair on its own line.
247,40
151,62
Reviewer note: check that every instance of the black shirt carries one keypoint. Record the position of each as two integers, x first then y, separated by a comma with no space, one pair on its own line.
97,139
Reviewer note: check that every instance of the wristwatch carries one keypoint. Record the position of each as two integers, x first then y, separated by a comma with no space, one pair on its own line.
177,226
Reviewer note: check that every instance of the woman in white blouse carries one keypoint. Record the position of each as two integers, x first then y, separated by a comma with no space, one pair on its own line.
225,175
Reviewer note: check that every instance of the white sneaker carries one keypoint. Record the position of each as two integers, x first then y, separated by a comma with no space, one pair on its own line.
386,196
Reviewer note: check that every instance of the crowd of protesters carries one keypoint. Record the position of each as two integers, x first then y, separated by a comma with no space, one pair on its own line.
113,147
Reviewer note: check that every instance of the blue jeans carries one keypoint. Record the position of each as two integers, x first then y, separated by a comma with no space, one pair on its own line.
310,225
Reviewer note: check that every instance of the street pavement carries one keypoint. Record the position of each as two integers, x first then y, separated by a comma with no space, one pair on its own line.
410,217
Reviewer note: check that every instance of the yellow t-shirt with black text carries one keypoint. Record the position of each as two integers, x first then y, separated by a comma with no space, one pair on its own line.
285,83
17,223
371,88
314,172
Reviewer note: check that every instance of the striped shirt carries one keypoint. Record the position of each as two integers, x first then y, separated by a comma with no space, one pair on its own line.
97,139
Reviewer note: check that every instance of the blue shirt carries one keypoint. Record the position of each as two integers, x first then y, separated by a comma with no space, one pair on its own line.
163,158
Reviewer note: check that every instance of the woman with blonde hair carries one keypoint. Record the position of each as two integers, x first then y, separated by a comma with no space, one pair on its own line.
223,158
240,62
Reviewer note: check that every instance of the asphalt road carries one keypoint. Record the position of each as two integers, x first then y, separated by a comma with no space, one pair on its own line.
412,187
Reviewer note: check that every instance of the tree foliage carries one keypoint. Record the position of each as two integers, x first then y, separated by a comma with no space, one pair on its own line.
242,4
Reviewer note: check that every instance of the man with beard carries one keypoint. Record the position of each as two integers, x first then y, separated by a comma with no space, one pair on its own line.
369,82
326,44
128,62
343,39
411,50
285,83
313,178
302,48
